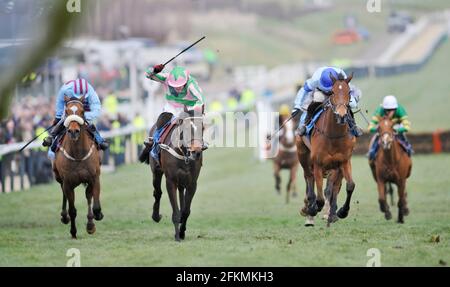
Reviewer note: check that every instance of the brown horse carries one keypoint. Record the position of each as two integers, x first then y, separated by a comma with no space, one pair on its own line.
329,153
181,159
286,158
78,162
391,165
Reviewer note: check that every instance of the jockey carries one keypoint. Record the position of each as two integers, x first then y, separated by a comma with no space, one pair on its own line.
322,81
77,88
181,90
389,106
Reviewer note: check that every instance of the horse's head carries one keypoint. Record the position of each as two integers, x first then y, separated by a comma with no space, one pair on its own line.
386,132
74,116
340,97
191,135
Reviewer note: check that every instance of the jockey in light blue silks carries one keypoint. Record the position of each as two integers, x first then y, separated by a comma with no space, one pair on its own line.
322,82
92,108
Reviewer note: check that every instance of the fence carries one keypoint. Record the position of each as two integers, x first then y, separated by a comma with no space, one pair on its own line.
422,143
19,171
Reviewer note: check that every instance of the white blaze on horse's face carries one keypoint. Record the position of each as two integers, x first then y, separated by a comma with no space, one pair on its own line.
74,109
386,140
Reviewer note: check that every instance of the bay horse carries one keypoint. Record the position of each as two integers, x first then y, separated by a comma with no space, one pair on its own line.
181,160
286,158
78,162
328,153
391,165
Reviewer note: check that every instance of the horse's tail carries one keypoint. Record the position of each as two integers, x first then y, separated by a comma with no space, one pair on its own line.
144,157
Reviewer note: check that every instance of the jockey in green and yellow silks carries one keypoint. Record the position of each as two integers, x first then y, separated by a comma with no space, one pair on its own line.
399,117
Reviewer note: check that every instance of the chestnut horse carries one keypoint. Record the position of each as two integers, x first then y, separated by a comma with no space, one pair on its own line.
391,165
329,153
181,159
78,162
286,158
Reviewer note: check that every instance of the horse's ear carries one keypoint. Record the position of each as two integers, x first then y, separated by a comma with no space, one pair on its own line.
333,79
66,99
82,98
349,78
185,109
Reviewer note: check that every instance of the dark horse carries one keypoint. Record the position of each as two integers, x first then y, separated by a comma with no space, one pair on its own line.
391,165
181,159
329,153
286,157
78,162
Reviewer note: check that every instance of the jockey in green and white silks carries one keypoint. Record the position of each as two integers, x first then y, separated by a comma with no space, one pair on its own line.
322,82
181,91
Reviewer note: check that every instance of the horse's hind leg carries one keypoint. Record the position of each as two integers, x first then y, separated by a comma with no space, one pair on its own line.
70,195
172,191
186,210
157,192
97,208
90,226
350,187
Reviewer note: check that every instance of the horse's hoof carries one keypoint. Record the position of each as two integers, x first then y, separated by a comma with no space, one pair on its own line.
312,210
406,211
90,228
401,221
74,235
182,235
309,221
332,219
156,217
98,215
388,215
342,213
303,212
177,238
65,219
320,204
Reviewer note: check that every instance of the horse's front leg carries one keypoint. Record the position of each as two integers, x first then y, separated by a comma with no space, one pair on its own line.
402,204
90,226
384,207
336,181
318,178
350,187
64,215
97,208
186,210
276,173
172,191
70,195
157,193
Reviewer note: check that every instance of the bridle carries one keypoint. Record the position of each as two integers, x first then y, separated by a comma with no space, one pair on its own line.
186,155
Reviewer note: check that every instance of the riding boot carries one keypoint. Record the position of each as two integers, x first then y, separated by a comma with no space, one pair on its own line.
304,121
356,131
102,143
55,131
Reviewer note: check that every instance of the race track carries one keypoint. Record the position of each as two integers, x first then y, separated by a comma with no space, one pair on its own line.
237,219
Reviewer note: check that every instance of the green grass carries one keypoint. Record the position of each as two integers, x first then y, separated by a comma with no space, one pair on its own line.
424,93
237,219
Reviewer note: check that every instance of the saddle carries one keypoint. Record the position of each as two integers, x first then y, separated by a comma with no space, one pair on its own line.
164,125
